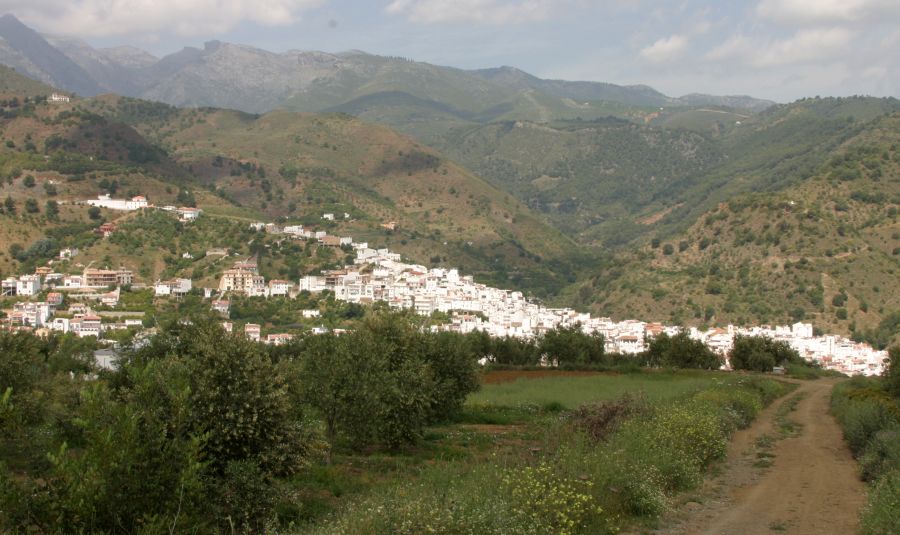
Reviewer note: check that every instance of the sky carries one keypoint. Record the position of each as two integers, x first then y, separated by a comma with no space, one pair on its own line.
776,49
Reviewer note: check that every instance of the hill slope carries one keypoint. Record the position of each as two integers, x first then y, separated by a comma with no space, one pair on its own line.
613,181
826,250
282,165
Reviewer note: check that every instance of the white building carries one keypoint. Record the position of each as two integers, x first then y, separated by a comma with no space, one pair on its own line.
104,201
251,331
280,287
189,214
28,285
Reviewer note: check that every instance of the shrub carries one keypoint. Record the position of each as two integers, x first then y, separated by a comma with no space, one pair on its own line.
880,515
598,420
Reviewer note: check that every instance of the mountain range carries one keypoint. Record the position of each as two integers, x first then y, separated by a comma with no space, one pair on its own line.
253,80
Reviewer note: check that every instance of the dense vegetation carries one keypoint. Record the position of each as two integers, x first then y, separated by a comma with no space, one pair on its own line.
869,413
195,428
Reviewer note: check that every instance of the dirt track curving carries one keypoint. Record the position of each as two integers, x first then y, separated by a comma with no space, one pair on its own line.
811,487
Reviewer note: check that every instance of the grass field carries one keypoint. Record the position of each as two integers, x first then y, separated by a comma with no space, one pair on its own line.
569,392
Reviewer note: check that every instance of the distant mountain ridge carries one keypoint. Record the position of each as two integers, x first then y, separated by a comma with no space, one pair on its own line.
254,80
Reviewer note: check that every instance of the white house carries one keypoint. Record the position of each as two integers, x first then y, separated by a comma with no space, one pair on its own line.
67,253
28,285
189,214
328,217
280,287
251,331
104,201
72,281
57,97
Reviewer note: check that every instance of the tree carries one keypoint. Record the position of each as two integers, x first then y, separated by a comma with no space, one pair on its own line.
31,206
681,351
49,189
571,345
760,353
668,249
892,372
186,198
28,181
94,212
9,205
52,210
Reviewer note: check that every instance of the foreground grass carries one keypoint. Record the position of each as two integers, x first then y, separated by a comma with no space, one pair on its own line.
870,418
587,471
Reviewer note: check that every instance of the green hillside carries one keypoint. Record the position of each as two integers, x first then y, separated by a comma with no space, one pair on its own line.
826,250
613,181
13,83
281,166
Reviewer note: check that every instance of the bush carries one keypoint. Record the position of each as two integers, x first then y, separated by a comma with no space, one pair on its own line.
870,418
880,515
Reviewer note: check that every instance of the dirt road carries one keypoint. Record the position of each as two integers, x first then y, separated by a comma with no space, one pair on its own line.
811,486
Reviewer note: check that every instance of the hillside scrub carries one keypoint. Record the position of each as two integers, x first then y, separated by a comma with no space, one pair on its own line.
587,482
869,413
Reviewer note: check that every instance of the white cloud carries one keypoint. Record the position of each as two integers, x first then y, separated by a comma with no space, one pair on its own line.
475,11
128,17
665,49
814,44
827,11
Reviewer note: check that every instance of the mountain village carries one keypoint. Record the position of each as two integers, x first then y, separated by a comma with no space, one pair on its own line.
376,275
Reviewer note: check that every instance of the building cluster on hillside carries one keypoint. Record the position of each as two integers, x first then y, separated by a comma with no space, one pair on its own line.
379,275
102,286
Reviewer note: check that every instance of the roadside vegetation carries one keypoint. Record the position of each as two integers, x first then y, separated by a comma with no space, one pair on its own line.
868,410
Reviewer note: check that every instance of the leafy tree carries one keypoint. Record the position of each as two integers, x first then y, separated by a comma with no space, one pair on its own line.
31,206
49,189
572,345
186,198
760,353
28,181
681,351
514,351
51,208
94,212
668,249
9,205
892,372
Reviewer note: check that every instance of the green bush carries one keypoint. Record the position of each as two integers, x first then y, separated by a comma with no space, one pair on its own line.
870,417
881,515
